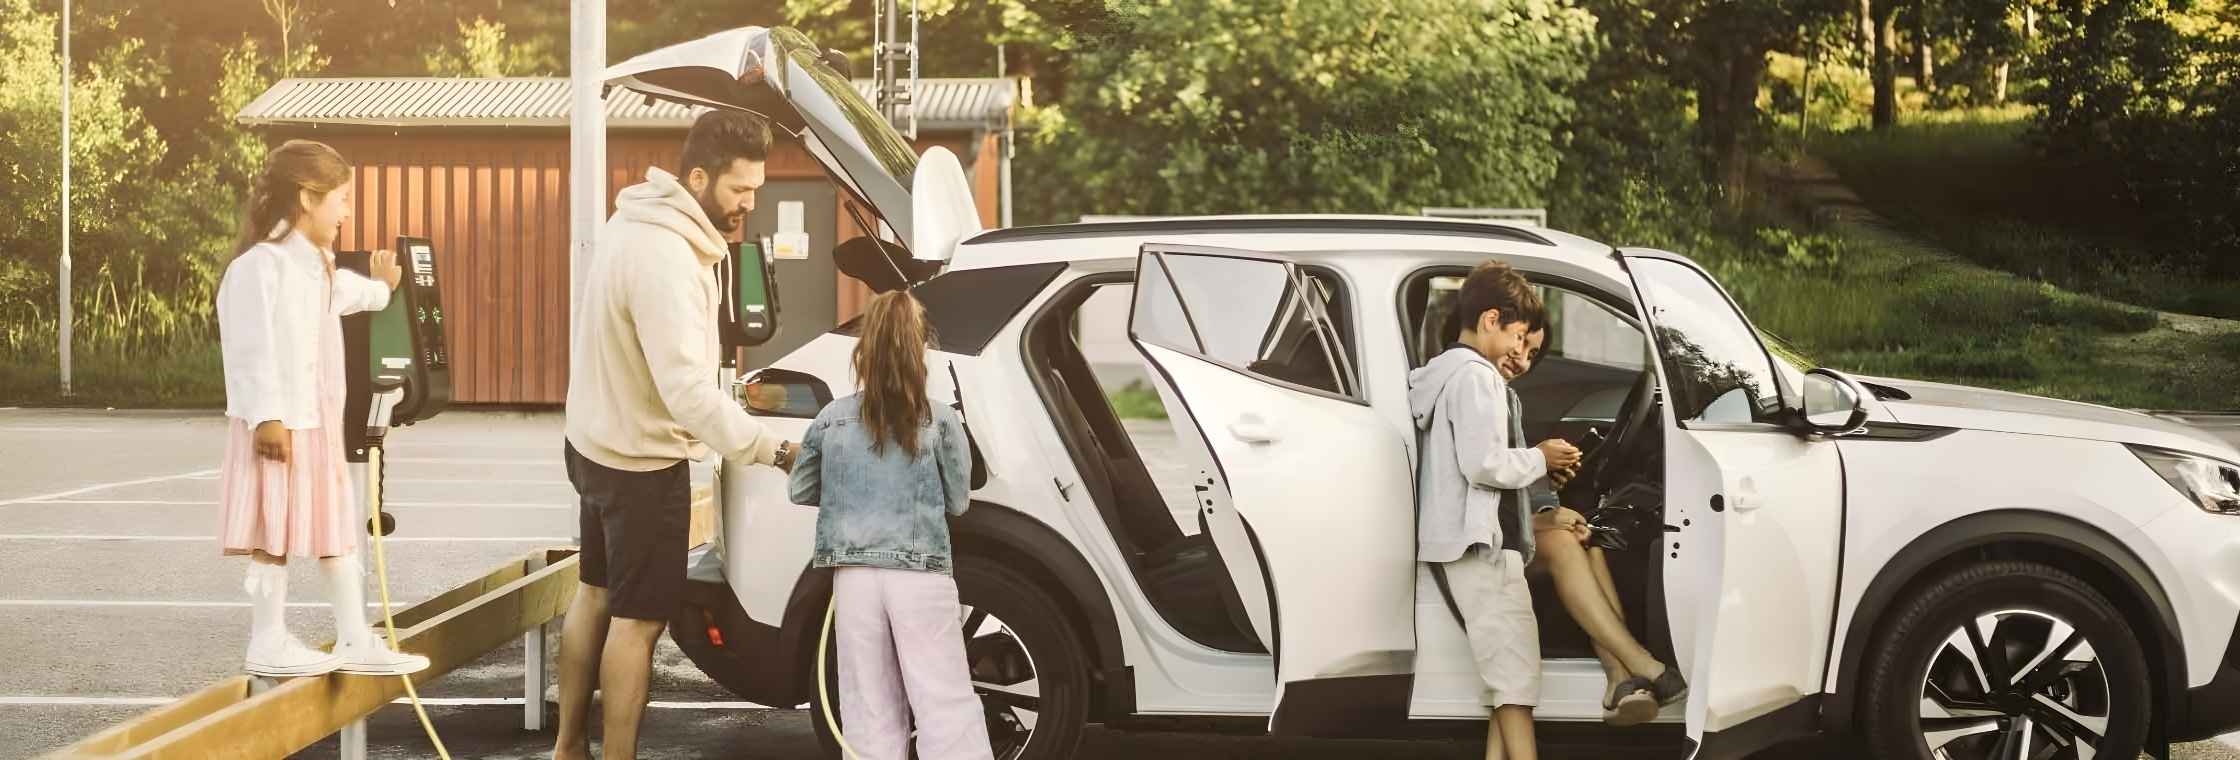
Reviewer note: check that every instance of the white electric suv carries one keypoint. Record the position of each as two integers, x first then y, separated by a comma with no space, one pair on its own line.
1948,572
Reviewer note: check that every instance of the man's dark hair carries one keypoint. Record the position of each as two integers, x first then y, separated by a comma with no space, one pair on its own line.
720,137
1493,285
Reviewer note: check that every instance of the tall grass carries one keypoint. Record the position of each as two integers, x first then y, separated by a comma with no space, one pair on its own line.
134,343
1967,181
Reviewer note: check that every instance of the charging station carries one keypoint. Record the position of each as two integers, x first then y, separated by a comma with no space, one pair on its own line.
401,345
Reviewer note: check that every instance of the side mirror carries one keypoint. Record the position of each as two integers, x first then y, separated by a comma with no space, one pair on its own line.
784,393
1833,402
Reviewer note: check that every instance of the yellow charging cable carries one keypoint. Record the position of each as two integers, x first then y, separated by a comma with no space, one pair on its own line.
824,692
381,572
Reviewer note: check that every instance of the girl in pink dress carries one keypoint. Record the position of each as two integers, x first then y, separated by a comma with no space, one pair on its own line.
286,490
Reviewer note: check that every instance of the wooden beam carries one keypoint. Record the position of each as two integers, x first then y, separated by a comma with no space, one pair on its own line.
452,630
161,720
703,527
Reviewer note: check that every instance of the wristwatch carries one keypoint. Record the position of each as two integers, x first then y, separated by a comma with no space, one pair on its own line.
784,458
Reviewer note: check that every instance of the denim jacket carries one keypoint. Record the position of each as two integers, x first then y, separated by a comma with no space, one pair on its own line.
882,509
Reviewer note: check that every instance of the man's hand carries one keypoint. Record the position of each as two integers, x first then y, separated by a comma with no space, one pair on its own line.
791,451
272,441
383,266
1561,455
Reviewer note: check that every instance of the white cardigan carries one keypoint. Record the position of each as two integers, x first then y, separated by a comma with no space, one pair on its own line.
274,308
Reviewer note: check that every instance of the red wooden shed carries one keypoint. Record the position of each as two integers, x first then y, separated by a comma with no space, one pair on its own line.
480,167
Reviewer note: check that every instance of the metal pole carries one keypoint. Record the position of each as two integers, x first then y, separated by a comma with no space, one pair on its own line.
1003,155
587,150
66,315
587,140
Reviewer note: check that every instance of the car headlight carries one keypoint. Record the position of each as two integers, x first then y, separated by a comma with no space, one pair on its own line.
2212,484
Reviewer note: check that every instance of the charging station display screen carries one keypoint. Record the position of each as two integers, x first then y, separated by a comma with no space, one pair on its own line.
750,309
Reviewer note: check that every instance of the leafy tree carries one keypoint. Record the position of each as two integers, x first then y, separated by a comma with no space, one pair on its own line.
481,50
1278,105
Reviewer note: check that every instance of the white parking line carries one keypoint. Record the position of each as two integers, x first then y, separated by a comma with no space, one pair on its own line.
430,701
102,486
208,503
152,603
393,540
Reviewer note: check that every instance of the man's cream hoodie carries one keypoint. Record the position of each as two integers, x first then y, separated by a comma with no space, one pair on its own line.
642,390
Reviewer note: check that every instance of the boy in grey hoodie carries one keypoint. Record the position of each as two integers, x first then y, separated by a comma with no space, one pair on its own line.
1472,516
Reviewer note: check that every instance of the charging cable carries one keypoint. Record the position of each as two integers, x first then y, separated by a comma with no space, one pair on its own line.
384,401
824,690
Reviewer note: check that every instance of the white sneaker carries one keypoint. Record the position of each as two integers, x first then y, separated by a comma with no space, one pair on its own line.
369,656
288,658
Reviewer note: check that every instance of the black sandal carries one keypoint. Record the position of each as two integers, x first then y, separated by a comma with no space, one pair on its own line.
1669,686
1633,703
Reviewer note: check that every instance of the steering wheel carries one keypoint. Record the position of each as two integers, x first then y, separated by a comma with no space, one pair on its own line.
1629,435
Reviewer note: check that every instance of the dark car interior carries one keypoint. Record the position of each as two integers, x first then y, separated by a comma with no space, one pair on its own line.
1605,408
1182,574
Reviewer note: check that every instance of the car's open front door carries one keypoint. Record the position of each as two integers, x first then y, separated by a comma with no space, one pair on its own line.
1306,494
1753,513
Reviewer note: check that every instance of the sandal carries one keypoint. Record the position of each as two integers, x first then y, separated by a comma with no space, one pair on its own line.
1669,686
1638,706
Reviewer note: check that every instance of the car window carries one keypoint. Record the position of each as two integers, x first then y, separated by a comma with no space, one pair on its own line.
1719,371
1580,328
1264,317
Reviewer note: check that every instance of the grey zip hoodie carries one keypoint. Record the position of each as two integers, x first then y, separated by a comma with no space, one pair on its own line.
1465,458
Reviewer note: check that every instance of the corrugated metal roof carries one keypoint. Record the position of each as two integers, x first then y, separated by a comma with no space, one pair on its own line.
943,104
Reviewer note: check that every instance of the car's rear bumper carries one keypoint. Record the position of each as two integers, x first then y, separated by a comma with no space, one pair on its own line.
714,631
2212,708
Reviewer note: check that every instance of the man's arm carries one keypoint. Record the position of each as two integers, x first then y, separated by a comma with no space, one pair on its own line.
671,314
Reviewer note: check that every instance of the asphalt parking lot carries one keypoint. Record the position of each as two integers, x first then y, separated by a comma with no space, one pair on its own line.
114,599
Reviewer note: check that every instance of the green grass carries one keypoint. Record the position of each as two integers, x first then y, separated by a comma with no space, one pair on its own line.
184,376
1136,402
1898,307
1966,181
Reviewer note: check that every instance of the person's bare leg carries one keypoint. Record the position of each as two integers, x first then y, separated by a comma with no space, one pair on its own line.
1598,561
625,667
1494,750
1583,597
582,637
1614,672
1515,733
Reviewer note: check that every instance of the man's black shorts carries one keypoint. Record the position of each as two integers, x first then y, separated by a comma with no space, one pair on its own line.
634,528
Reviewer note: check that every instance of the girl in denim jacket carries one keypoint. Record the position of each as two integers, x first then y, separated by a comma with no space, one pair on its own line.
887,468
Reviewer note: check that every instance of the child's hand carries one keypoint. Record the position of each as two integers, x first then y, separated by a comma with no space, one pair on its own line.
383,267
1561,455
272,441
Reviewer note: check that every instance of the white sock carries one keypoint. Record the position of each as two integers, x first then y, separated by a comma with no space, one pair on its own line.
267,585
346,593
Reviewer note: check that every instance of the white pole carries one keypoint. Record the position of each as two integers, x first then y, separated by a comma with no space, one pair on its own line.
587,141
62,324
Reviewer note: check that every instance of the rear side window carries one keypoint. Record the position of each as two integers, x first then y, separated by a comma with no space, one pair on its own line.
1266,318
967,308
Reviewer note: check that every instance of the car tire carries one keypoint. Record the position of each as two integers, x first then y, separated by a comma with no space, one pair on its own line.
1940,678
1021,620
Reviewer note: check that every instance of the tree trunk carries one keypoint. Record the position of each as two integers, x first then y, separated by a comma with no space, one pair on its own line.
1925,49
1885,65
1865,39
1999,84
1726,111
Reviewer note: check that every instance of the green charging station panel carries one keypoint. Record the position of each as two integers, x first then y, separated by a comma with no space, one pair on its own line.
402,343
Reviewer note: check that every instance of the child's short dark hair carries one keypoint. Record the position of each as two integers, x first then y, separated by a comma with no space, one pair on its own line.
1494,285
720,137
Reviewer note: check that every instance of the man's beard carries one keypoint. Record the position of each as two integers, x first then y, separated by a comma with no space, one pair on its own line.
726,223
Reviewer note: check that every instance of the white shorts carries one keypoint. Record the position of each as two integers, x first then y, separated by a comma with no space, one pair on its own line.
1488,586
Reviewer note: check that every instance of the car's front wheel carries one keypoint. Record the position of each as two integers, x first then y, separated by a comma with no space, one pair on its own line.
2006,661
1026,664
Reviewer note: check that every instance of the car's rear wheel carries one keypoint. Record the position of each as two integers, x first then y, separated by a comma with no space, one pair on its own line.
2007,661
1026,663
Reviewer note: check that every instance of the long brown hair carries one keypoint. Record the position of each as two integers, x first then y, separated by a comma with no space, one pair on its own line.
890,365
275,195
